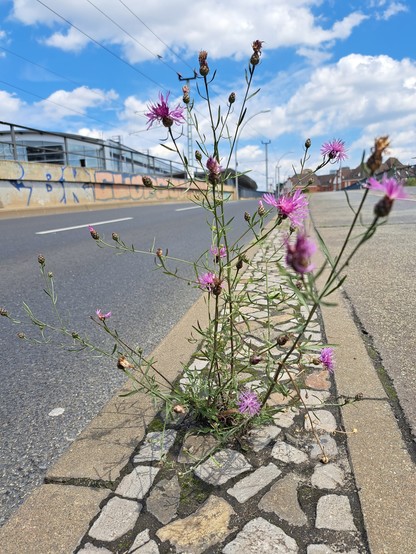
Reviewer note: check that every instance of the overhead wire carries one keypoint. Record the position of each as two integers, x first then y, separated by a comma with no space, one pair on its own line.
160,58
155,35
77,83
102,46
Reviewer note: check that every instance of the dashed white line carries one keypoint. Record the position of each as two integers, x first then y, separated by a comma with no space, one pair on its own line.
82,226
191,208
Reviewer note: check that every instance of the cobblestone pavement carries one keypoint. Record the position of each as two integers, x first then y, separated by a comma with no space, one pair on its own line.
272,494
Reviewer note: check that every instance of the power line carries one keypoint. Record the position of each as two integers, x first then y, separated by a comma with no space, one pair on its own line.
155,35
132,37
102,46
55,73
57,104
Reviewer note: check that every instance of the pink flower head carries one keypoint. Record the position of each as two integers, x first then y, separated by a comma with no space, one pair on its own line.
327,359
392,188
213,166
161,112
298,254
293,206
335,150
248,403
220,252
101,316
211,283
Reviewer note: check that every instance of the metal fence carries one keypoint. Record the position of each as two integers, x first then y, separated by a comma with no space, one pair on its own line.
27,144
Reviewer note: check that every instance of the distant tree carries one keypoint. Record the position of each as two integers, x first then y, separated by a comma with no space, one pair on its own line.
411,182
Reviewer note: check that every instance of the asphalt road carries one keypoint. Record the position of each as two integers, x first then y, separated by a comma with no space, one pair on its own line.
381,284
34,380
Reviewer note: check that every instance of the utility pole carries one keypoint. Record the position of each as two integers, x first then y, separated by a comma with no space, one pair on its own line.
189,125
266,144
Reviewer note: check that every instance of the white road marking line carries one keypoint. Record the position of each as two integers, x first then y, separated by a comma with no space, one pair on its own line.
191,208
82,226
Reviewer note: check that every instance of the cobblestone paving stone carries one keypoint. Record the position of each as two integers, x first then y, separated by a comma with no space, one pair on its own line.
276,496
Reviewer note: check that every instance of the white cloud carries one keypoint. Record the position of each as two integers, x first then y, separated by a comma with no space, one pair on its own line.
62,103
392,9
282,24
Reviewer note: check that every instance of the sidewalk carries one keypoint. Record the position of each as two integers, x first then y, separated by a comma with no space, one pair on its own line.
126,486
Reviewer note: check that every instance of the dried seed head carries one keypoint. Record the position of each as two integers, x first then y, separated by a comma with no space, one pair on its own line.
359,396
255,59
4,312
41,259
376,158
203,66
179,409
257,46
247,216
325,459
21,335
231,98
123,363
159,252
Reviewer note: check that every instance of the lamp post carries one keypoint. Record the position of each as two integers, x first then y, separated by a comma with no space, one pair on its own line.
236,148
277,170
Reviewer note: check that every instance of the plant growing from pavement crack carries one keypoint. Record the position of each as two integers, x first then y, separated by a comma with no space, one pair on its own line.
230,383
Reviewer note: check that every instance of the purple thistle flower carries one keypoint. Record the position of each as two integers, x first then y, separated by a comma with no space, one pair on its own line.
101,316
293,206
161,112
213,166
211,283
248,403
392,188
220,252
298,255
327,359
335,150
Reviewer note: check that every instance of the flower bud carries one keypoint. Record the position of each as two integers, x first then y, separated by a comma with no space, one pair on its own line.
21,335
203,66
198,155
147,182
247,217
255,359
41,259
159,252
50,274
308,143
261,209
282,339
93,233
239,263
74,335
115,237
4,312
375,160
231,98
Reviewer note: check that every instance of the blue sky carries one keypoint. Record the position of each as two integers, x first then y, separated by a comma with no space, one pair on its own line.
330,69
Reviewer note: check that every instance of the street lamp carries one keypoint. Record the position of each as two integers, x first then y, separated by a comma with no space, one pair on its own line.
236,148
277,170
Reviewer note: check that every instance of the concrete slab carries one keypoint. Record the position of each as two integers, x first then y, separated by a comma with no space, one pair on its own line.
106,445
52,520
384,472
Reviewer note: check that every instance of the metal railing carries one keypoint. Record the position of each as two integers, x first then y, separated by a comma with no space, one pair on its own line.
27,144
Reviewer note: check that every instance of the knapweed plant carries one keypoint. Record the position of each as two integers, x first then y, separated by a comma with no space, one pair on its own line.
229,384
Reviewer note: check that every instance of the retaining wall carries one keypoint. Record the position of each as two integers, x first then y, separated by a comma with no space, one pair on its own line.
28,186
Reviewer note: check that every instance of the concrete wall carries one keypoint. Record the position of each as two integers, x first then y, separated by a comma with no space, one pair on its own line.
28,186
